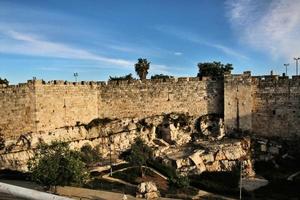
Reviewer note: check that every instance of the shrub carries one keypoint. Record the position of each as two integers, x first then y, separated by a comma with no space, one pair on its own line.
139,154
97,122
56,164
121,78
4,81
161,76
90,155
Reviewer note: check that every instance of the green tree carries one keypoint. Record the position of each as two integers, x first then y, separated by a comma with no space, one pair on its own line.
4,81
142,67
213,69
56,164
139,154
90,155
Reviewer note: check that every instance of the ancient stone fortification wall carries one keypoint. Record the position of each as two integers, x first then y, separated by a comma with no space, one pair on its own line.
17,109
268,105
151,97
39,106
60,104
276,106
237,102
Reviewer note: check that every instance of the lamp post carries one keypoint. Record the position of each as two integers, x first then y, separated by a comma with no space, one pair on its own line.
297,59
110,160
286,65
241,176
75,75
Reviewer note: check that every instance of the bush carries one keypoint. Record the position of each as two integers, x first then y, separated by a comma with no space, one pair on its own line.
90,155
56,164
97,122
139,154
121,78
4,81
161,76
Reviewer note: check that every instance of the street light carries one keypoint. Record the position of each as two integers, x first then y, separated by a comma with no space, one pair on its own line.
75,75
286,65
297,59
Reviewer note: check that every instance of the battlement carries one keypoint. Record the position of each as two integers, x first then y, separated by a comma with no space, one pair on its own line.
38,105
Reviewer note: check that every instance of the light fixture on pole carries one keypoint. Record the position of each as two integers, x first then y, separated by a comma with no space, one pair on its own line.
297,59
75,75
286,65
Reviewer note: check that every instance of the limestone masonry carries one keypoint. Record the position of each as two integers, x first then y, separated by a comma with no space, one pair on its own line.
264,105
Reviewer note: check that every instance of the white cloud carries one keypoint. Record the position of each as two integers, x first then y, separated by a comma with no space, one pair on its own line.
177,53
28,44
20,43
271,26
194,38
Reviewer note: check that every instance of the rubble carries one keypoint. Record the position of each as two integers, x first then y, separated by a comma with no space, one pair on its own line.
147,190
169,135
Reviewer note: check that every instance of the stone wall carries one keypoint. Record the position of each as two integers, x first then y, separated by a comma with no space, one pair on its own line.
267,105
238,102
17,109
276,106
154,97
62,104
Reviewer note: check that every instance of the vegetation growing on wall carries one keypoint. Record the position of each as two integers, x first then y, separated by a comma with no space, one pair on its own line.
98,122
161,76
4,81
121,78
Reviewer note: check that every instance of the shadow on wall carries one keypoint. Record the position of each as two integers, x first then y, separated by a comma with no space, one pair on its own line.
267,124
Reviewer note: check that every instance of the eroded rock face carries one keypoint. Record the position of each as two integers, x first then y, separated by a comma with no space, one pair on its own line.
211,126
169,135
205,156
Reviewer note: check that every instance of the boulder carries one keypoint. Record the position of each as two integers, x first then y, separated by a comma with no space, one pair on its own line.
147,190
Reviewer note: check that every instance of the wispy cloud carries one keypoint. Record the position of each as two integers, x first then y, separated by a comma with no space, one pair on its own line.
28,44
20,43
271,26
177,53
194,38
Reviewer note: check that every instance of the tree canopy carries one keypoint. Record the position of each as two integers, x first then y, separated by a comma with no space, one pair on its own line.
213,69
4,81
142,67
127,77
139,154
56,164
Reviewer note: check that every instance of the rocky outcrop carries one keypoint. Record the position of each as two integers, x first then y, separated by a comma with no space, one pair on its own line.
206,156
211,126
171,136
147,190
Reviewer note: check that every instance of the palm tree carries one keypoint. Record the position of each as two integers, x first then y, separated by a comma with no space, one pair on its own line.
142,67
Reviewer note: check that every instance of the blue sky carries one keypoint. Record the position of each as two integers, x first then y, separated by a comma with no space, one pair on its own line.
53,39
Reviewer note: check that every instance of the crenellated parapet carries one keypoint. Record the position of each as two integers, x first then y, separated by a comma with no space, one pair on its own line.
247,102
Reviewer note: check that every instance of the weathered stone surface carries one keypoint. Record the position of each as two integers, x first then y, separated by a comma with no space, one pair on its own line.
147,190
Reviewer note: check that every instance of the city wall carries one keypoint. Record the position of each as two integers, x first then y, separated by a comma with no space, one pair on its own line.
264,105
154,97
38,106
